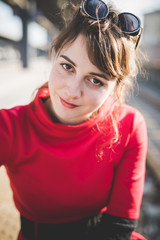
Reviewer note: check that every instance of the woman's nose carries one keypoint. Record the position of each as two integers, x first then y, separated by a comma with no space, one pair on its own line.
74,88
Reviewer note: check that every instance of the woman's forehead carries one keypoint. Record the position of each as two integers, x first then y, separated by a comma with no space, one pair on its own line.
79,42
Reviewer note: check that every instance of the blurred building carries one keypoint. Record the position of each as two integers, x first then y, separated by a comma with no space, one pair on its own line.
151,37
151,41
46,14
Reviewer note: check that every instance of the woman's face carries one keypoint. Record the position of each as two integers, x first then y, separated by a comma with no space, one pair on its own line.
77,87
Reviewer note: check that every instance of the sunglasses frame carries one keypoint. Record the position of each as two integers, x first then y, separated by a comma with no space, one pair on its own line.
83,10
137,32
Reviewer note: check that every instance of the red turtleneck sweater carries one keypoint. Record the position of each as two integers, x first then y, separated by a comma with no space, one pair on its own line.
60,173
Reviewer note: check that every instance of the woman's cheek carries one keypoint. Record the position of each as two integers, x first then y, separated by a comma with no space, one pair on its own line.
97,97
101,97
56,78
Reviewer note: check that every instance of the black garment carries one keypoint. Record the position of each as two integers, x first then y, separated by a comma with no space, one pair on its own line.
111,227
101,227
76,230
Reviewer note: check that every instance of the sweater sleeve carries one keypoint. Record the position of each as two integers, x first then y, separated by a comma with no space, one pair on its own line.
5,137
127,190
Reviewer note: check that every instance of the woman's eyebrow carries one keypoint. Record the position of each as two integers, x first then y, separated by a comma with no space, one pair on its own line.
101,75
68,59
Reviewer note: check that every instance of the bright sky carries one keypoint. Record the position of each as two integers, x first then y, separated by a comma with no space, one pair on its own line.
11,26
139,7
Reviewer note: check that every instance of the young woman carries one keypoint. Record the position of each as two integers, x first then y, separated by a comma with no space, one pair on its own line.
75,156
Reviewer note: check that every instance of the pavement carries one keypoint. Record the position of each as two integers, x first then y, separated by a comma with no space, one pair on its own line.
9,216
17,86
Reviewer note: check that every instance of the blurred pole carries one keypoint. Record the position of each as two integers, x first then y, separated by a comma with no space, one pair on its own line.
24,43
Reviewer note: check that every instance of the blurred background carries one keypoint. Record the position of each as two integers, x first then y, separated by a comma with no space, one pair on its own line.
27,28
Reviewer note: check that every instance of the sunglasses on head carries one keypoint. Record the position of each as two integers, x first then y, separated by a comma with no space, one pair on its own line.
128,22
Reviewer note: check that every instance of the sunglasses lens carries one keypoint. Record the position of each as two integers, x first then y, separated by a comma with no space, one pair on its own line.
129,23
96,9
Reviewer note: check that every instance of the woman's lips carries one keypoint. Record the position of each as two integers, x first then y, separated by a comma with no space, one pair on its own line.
68,104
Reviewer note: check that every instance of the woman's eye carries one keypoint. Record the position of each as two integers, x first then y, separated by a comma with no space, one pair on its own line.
67,66
96,82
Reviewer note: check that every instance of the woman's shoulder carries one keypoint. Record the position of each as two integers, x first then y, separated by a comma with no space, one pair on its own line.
13,113
14,119
131,118
11,121
129,112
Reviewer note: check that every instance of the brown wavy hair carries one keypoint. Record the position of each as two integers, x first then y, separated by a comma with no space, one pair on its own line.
108,48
